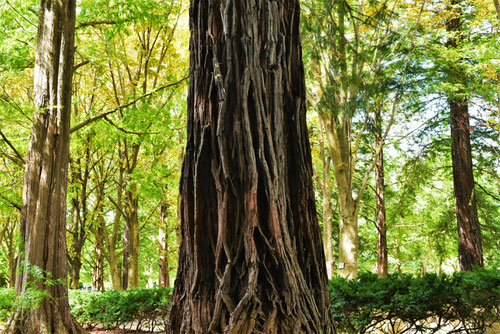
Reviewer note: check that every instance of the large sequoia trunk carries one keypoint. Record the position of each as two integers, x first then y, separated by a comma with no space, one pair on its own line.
470,249
43,216
251,257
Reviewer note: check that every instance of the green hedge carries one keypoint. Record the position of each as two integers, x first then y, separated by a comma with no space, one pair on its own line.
7,297
459,303
134,308
462,302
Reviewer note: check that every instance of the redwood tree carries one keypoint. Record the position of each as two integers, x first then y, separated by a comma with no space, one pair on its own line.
470,248
251,257
43,215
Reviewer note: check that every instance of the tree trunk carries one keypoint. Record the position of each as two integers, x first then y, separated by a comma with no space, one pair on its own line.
348,237
328,221
163,277
326,190
470,248
43,216
251,257
74,273
338,135
382,260
133,239
74,251
497,8
126,255
98,274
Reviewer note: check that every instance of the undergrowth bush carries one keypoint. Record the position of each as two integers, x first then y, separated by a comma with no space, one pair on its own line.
7,298
134,308
460,303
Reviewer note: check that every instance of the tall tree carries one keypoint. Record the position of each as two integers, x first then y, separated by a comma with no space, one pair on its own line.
43,216
382,256
470,249
251,257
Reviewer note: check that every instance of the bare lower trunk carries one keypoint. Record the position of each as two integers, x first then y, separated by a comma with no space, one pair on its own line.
114,272
348,240
327,234
382,260
74,274
251,257
43,216
126,255
470,248
338,136
163,275
133,246
98,274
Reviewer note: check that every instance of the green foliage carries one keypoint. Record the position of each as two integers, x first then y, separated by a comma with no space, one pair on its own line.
7,298
463,302
118,308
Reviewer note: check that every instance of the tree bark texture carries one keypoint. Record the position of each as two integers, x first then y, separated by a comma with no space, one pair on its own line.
470,250
43,216
382,259
251,258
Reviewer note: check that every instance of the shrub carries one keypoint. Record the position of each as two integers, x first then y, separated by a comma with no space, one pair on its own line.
7,297
134,307
462,302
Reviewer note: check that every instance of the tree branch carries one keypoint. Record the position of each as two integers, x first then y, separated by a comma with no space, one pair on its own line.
95,23
106,113
487,193
19,156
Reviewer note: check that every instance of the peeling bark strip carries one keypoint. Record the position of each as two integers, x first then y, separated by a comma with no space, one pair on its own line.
43,215
470,249
251,257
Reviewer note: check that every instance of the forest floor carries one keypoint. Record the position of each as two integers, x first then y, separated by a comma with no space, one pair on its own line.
101,330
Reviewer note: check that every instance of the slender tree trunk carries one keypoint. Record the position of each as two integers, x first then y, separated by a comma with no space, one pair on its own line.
348,237
74,273
382,260
163,277
251,258
74,251
98,274
126,255
326,190
497,8
338,135
12,252
470,248
328,220
133,239
43,216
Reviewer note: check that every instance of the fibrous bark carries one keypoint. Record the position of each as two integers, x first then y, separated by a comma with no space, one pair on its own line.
43,216
251,257
470,248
